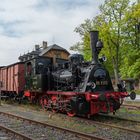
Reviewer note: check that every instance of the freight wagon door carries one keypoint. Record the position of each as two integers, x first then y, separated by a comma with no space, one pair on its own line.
4,79
21,78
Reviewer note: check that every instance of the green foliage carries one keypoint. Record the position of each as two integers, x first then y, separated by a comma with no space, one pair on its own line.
84,46
77,47
130,66
117,24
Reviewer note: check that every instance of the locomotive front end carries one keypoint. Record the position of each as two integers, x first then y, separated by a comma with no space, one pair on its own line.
99,90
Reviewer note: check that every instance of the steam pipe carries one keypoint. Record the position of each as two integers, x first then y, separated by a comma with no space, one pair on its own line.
93,41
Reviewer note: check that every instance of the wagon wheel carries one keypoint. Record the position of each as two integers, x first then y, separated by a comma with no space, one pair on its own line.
54,104
69,111
44,102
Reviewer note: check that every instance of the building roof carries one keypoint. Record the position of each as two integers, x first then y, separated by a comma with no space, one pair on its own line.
37,52
53,47
41,52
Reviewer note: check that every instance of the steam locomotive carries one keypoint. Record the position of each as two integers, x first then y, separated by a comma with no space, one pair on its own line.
73,86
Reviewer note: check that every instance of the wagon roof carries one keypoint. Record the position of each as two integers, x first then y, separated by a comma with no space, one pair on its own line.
13,64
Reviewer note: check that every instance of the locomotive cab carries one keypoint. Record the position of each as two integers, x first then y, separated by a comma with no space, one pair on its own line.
37,74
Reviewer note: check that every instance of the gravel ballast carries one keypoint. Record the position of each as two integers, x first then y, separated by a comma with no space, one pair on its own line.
71,123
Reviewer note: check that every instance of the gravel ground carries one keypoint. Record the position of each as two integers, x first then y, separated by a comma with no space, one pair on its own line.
37,132
72,123
7,136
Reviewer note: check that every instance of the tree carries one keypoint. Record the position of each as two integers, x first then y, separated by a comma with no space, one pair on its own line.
117,24
130,66
110,23
84,46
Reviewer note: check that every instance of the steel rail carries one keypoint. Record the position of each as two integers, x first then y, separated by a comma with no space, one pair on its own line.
15,133
119,118
118,127
76,133
112,126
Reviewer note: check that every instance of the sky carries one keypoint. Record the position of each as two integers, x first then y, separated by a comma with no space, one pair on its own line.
24,23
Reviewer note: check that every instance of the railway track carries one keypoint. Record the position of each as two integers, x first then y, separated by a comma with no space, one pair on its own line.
117,126
15,136
19,124
106,124
111,117
112,126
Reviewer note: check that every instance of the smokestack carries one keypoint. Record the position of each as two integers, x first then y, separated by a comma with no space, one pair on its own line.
93,42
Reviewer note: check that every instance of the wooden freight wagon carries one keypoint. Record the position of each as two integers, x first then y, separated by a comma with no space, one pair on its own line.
12,78
3,78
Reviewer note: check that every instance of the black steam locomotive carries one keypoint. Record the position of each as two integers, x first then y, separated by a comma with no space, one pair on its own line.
73,86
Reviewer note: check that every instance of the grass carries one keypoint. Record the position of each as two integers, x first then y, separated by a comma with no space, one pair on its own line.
26,105
71,123
129,113
132,103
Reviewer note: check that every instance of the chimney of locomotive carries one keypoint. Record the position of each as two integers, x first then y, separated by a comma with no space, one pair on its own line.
93,43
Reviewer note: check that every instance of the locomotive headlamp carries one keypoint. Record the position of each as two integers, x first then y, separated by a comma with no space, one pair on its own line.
92,85
103,59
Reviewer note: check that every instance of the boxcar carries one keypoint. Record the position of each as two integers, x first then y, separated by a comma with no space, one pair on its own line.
4,78
1,75
12,78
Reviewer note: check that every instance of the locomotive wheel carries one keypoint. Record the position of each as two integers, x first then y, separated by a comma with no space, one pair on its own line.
44,102
54,104
69,111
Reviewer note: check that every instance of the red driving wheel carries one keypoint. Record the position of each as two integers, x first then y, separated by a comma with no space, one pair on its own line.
54,102
44,102
71,113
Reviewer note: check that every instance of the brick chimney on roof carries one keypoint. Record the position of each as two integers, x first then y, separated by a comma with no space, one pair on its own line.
45,44
37,47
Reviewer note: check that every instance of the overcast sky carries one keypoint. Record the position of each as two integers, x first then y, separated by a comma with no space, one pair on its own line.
24,23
